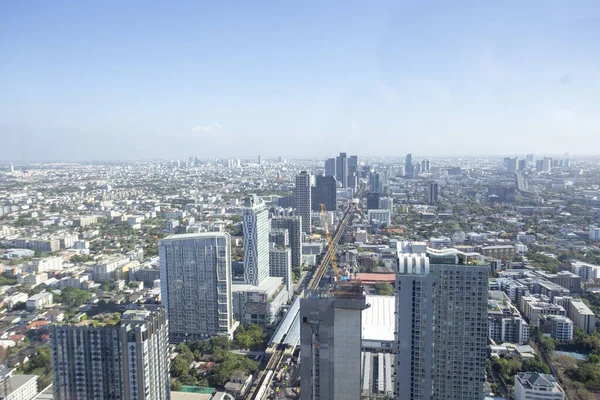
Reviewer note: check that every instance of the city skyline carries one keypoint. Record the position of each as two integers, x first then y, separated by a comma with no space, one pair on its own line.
153,81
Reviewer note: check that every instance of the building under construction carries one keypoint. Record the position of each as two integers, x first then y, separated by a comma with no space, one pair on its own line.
330,344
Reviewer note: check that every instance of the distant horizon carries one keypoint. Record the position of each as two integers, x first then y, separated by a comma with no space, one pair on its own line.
254,159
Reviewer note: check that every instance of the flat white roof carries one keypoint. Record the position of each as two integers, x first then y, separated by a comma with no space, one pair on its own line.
378,319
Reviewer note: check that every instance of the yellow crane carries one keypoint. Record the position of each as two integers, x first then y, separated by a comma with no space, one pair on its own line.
330,244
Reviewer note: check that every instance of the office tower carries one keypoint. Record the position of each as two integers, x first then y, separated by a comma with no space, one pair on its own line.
374,182
260,160
330,167
432,193
522,165
373,201
510,164
330,347
281,237
415,291
112,359
195,283
303,202
280,265
546,164
294,228
324,192
529,158
12,168
452,365
341,169
423,166
427,165
255,221
409,167
386,203
353,172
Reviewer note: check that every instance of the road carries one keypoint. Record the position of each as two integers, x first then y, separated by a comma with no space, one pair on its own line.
262,385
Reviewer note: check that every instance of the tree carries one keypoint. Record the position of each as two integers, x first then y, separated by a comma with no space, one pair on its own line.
384,289
73,297
39,364
535,366
176,386
185,353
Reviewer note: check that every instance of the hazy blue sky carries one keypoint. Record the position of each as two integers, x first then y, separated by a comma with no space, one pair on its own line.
145,79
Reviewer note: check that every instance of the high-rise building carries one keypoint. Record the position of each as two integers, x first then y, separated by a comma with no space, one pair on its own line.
112,359
280,237
432,193
303,201
294,228
374,182
255,221
280,265
373,201
195,281
330,167
353,172
409,168
510,164
441,353
341,169
330,343
260,160
522,165
529,158
324,192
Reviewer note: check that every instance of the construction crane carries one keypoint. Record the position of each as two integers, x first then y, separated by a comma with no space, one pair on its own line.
330,248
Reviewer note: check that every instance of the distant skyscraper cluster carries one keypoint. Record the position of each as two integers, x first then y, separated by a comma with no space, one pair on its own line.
542,165
344,169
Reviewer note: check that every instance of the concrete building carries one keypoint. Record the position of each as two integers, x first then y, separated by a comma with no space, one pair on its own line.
536,386
294,228
435,359
19,387
534,306
594,233
341,169
256,240
39,301
260,305
353,172
330,364
195,280
432,193
380,217
280,265
512,329
106,270
47,264
559,327
324,192
409,168
582,316
126,359
585,270
303,199
279,237
330,167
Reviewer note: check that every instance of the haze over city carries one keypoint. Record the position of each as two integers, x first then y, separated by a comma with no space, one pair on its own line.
148,80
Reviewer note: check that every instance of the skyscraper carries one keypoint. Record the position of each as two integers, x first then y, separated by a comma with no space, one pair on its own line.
353,171
409,168
415,290
324,192
341,169
294,227
374,182
330,343
280,265
330,167
432,193
195,281
303,201
256,240
112,359
441,353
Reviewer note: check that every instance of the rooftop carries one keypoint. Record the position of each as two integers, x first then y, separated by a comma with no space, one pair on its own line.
378,320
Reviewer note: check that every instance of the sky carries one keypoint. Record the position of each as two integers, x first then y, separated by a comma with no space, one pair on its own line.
107,80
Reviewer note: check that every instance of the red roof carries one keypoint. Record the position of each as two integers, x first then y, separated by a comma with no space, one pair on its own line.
37,324
16,338
373,277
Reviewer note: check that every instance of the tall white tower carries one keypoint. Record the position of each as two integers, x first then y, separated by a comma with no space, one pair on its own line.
256,240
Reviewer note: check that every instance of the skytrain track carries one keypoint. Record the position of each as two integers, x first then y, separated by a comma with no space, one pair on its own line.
260,387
